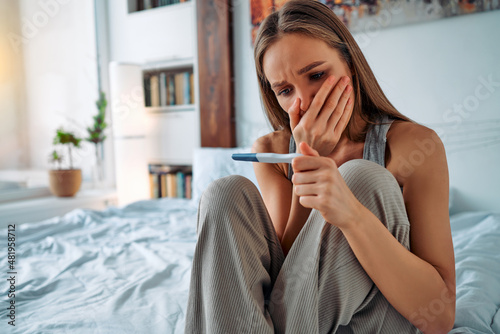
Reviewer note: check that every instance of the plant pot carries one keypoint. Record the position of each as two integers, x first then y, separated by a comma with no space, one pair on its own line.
65,182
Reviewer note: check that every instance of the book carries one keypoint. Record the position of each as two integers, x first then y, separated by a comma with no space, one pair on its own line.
147,91
152,186
171,89
171,185
187,88
180,184
155,185
188,188
179,88
163,89
155,91
191,85
140,5
163,185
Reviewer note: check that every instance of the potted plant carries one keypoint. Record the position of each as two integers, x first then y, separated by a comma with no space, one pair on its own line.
65,182
97,137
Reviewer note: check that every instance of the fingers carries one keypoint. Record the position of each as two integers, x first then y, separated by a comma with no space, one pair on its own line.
308,150
304,178
342,112
340,125
294,113
306,190
320,97
308,163
307,201
334,106
305,163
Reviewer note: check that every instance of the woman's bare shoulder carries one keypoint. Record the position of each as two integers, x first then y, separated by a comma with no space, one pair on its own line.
275,142
403,134
410,146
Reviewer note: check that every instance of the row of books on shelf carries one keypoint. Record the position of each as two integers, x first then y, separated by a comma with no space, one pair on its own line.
170,181
169,89
148,4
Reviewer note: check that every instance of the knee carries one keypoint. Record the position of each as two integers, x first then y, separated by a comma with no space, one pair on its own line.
368,176
226,190
226,197
378,190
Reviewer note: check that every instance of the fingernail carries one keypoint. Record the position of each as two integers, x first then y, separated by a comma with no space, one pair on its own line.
331,79
346,79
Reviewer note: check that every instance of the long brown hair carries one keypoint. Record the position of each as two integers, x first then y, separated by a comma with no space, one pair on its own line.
314,19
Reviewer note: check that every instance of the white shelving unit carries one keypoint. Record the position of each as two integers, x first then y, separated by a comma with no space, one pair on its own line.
151,135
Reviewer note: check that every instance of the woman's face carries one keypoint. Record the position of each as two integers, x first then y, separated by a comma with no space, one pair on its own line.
297,65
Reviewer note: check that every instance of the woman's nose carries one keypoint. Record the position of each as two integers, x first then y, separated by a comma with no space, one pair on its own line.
306,97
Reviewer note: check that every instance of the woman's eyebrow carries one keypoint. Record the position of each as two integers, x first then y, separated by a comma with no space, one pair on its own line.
303,70
309,67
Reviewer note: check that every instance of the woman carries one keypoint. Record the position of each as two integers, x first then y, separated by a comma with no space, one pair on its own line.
337,243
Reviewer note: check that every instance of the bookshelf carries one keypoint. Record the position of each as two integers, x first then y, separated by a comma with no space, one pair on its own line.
142,5
154,141
170,181
162,136
169,89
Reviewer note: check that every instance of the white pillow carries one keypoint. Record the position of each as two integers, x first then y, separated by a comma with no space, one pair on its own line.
210,164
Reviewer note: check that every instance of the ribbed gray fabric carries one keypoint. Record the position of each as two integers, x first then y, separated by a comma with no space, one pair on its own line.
241,281
376,139
375,143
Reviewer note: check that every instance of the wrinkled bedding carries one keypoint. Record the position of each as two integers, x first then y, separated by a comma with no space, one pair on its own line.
117,271
127,270
476,240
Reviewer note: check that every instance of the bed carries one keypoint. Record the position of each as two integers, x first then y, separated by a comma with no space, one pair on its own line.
127,270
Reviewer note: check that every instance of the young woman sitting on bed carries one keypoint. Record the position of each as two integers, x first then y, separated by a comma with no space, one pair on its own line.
343,245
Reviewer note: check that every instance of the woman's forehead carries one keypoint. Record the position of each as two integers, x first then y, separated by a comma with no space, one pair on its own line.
293,52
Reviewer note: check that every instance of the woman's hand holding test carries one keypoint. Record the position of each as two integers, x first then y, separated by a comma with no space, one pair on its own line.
319,185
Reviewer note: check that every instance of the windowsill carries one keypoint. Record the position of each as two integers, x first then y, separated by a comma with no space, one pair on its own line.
42,208
23,194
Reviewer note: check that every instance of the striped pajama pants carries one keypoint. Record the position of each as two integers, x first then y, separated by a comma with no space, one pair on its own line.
241,282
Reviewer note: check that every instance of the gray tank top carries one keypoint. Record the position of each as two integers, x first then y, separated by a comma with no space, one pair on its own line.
375,142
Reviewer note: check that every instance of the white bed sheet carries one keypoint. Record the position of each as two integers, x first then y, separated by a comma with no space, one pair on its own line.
128,270
118,271
476,240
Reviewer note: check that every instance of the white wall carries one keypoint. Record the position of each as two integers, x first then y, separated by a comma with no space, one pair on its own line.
152,35
425,69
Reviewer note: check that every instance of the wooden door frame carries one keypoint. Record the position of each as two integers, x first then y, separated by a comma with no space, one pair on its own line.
215,70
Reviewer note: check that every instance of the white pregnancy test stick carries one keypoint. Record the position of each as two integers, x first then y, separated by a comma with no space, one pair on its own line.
266,157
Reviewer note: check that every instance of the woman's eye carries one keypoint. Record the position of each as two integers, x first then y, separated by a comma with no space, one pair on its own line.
284,92
317,76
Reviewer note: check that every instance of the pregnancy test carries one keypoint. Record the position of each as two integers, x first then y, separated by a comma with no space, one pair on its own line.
265,157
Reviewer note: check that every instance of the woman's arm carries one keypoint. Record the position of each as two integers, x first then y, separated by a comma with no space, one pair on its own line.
420,284
283,206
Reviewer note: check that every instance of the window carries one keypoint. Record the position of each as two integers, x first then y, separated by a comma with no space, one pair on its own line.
48,79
